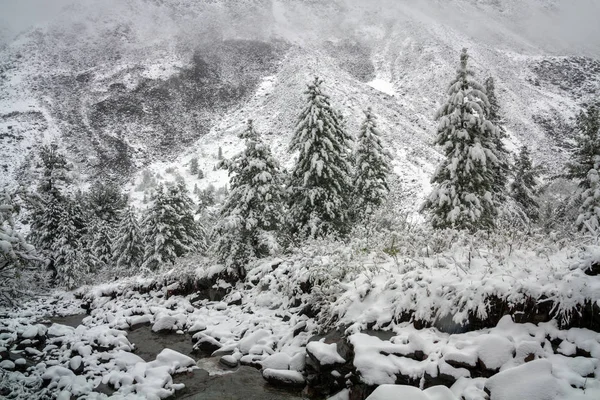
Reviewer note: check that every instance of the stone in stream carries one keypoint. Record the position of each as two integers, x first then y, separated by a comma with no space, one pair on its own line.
229,361
165,323
21,364
7,365
137,321
206,343
285,378
149,344
76,365
277,361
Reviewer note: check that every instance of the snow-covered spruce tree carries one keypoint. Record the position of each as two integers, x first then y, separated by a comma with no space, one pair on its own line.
587,127
463,195
194,166
372,168
320,185
71,261
253,210
106,202
168,230
54,174
502,168
50,198
589,216
18,259
523,188
183,207
127,248
100,243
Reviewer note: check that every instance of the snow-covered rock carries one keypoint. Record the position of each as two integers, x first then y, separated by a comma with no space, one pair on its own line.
532,381
251,340
277,361
495,351
325,354
283,377
165,323
395,392
229,361
7,365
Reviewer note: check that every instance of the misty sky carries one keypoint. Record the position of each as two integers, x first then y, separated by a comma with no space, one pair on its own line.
17,15
575,24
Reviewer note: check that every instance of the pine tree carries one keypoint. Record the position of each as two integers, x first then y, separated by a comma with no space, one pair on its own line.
51,203
168,230
183,207
106,201
67,250
523,188
252,211
54,175
100,245
47,204
194,166
502,167
589,217
18,258
200,174
127,248
464,183
320,184
45,221
206,197
372,168
158,247
587,126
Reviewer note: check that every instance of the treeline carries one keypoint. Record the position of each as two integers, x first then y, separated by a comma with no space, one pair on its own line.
336,184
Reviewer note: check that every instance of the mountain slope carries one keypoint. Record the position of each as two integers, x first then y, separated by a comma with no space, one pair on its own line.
141,82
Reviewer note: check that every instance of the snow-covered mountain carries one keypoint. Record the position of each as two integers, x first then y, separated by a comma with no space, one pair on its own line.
135,84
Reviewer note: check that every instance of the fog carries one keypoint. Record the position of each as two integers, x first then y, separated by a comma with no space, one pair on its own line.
19,15
569,26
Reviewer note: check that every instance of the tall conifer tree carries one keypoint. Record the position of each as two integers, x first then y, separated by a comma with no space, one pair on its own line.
587,129
523,187
127,248
320,185
589,217
502,168
252,212
372,168
464,184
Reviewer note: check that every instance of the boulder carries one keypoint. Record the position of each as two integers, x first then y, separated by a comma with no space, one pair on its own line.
229,361
284,378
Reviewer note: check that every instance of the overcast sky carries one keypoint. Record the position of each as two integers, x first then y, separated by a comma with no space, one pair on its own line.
575,25
17,15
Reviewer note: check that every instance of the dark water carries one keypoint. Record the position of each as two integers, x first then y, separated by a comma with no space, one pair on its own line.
246,383
148,344
69,320
242,383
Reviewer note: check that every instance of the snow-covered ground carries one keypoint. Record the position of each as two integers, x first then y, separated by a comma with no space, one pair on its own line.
271,320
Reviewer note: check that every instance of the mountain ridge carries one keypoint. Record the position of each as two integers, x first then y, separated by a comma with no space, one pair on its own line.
148,92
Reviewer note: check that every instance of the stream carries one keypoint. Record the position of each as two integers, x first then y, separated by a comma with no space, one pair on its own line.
211,382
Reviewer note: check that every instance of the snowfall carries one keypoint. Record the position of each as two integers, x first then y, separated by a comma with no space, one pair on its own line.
266,322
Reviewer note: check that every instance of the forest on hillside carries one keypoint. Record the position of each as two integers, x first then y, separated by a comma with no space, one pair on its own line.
256,270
